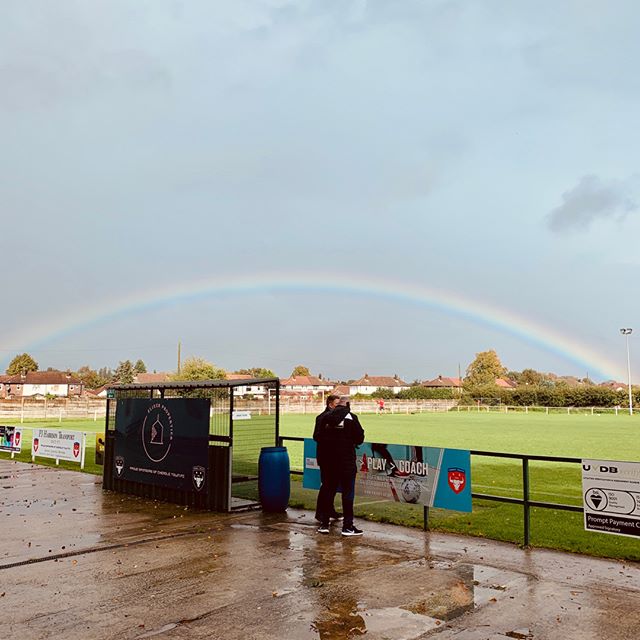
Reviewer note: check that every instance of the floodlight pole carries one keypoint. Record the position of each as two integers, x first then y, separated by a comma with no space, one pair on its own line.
626,332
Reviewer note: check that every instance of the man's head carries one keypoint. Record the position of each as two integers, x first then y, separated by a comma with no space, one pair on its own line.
332,401
344,400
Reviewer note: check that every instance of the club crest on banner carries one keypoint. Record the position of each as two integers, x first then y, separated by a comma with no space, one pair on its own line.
16,439
36,444
119,460
76,449
198,476
457,479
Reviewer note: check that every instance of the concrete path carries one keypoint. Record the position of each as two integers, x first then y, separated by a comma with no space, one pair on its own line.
78,563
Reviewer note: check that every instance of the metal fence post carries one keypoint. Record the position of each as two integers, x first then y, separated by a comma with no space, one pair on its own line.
525,496
425,512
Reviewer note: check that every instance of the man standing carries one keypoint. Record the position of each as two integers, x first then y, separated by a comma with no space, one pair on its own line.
332,402
338,434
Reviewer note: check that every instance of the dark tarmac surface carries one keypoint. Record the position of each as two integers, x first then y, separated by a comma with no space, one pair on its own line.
79,563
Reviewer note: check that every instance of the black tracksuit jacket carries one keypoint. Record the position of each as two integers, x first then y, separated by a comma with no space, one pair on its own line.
338,432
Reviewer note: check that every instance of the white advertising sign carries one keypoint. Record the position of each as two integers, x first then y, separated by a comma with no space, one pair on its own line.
57,444
611,495
241,415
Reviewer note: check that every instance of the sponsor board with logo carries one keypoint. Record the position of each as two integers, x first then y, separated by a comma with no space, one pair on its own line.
10,439
241,415
163,442
611,497
57,444
429,476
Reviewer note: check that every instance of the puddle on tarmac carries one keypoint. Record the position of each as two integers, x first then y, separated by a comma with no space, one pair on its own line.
341,619
476,586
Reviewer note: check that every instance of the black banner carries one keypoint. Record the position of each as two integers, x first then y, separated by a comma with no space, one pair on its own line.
613,524
163,442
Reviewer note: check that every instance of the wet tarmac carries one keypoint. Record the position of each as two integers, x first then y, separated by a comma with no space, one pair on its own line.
79,563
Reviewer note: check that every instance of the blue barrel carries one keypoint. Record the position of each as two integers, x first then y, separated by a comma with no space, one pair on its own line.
273,478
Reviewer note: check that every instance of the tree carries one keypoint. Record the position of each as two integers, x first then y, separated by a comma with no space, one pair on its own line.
198,369
257,372
124,373
22,364
300,370
90,378
140,366
484,369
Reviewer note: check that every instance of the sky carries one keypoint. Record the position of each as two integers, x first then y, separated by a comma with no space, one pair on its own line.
357,186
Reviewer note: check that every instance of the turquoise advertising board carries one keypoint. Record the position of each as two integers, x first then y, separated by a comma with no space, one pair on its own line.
429,476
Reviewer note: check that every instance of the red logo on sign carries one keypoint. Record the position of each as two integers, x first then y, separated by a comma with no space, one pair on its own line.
16,438
364,467
76,449
457,479
36,444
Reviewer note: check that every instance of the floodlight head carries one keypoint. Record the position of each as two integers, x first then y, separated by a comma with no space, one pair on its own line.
626,331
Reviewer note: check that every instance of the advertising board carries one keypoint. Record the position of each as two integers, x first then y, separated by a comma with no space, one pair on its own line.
57,444
10,439
429,476
163,442
611,497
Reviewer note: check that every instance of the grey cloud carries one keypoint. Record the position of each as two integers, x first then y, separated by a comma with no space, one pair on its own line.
590,200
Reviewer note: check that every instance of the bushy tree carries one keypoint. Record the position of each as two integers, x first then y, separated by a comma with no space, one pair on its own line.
257,372
124,373
300,370
198,369
22,363
90,378
140,366
484,369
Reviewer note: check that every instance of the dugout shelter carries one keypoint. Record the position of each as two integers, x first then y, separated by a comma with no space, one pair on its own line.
191,443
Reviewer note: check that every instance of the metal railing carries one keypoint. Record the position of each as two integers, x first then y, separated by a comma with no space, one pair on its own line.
525,501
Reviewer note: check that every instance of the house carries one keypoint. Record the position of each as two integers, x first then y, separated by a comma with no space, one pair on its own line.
609,384
41,384
3,383
503,383
368,384
305,385
443,383
257,391
151,378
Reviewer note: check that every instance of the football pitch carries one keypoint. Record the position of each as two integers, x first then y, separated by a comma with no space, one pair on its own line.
578,436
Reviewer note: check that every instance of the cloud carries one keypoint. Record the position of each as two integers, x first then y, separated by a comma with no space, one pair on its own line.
591,200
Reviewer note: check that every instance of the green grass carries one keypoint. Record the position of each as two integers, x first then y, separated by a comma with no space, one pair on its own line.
589,436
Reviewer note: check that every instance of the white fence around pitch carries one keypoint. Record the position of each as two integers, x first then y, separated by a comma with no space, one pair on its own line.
503,408
57,409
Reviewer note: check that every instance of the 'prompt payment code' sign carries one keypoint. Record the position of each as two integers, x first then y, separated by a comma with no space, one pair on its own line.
611,492
418,475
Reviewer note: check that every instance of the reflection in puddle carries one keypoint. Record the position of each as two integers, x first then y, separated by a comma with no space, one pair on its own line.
341,619
449,603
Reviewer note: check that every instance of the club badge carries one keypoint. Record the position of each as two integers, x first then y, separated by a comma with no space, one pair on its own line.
457,479
119,460
198,476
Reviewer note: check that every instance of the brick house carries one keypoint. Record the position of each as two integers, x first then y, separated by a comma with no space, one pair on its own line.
368,384
41,384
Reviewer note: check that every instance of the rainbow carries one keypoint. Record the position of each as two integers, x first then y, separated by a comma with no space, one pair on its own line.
444,300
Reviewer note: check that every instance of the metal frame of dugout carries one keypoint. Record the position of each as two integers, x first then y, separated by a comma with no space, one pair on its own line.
233,449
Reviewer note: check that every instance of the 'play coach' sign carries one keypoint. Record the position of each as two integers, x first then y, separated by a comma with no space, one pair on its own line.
163,442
